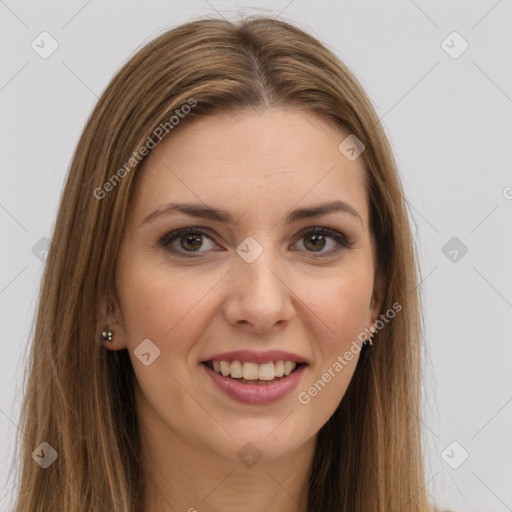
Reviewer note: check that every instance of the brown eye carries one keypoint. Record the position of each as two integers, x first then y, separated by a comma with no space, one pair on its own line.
317,239
315,242
187,240
192,242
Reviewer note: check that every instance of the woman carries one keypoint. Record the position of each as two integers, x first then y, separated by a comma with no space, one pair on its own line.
229,315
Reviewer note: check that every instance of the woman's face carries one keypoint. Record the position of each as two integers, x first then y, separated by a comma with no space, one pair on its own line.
254,279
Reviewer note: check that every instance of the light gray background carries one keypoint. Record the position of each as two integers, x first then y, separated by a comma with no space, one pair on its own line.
449,121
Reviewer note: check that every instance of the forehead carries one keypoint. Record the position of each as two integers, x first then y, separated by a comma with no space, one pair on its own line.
252,162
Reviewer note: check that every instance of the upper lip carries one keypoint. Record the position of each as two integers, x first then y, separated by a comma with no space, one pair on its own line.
252,356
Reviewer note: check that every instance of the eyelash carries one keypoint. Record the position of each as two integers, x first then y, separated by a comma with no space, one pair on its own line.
167,239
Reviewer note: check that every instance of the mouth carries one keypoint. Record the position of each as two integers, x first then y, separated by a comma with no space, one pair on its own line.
256,374
255,383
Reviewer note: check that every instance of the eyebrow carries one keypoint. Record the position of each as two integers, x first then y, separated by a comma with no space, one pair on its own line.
203,211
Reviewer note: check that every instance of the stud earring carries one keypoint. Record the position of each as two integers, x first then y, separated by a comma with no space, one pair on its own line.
106,334
369,340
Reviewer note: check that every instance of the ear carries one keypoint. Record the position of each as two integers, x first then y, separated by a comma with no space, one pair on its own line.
377,297
107,316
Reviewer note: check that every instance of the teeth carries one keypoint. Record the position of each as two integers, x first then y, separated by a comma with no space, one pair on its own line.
266,371
236,370
254,371
225,368
250,371
289,366
279,368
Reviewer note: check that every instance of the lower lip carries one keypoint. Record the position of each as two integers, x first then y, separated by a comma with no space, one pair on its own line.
256,393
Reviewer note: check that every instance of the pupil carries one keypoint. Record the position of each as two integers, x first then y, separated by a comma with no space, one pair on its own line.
315,244
192,237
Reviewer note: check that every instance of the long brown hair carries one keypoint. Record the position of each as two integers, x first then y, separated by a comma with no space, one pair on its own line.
79,397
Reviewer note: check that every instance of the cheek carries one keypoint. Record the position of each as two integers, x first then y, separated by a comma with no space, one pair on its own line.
341,303
342,306
158,303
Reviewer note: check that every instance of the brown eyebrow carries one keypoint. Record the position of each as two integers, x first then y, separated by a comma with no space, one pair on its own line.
207,212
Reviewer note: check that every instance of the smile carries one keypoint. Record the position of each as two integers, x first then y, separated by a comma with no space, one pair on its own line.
255,383
253,372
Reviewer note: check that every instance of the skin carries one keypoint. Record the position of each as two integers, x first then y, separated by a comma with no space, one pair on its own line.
259,166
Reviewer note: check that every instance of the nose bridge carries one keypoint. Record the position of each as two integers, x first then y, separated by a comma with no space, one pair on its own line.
257,293
261,276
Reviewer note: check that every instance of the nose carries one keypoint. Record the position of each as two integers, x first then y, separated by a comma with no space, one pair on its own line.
259,294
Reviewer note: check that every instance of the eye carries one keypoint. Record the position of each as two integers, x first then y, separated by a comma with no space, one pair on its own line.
316,239
187,239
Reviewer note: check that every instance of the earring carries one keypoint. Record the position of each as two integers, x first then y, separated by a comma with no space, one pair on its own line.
369,340
107,334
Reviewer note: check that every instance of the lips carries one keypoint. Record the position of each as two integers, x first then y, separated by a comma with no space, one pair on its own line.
251,356
255,377
256,391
